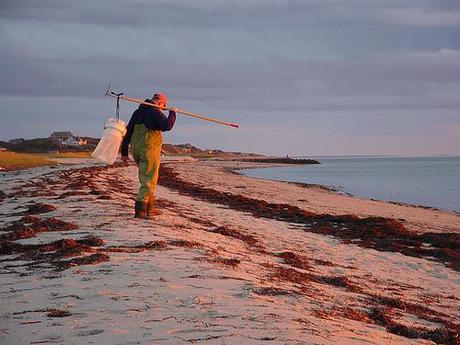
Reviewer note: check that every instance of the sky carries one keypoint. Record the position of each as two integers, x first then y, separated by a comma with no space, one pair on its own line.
301,77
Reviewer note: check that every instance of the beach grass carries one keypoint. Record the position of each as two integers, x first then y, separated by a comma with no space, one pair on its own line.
77,154
13,160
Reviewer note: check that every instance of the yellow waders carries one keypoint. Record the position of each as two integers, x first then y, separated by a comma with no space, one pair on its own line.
146,151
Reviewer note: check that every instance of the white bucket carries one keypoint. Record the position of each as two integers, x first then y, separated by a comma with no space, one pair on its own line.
109,145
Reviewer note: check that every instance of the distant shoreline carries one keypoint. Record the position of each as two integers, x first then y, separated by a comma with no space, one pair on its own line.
338,191
341,190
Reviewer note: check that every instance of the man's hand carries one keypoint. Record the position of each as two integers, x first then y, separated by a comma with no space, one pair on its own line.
125,160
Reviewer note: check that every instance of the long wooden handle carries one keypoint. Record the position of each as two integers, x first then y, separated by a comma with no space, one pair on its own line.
198,116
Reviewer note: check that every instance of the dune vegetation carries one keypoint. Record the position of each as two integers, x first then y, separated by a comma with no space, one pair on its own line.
14,160
69,154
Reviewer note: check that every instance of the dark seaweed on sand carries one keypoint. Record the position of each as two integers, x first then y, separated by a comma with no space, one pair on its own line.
383,234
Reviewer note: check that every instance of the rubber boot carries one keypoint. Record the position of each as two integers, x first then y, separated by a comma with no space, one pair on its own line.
152,210
140,209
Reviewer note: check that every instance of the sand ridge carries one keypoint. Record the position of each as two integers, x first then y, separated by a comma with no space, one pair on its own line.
312,198
202,272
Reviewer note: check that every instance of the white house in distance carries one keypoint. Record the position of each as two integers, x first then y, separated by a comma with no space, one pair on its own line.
67,139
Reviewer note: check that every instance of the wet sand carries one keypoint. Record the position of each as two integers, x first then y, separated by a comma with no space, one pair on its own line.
232,260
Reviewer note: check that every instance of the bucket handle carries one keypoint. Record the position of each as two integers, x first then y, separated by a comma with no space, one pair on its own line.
118,104
117,112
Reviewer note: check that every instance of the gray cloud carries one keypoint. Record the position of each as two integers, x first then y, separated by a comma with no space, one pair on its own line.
261,18
253,56
412,80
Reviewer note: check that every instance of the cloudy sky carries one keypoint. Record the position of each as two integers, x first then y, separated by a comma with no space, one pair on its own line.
301,77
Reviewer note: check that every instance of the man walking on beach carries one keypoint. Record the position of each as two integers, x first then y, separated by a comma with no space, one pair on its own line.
144,133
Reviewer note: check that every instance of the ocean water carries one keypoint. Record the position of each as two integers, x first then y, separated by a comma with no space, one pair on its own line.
427,181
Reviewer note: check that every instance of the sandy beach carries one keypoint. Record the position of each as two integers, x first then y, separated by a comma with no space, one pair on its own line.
231,260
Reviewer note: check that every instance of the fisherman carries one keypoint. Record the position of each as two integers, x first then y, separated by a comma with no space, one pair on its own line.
144,133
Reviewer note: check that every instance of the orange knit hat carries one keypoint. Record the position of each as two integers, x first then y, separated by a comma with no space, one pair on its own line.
161,97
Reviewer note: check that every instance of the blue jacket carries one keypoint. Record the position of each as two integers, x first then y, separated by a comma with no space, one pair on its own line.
152,118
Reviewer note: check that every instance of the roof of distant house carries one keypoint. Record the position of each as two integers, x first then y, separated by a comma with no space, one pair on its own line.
61,134
16,141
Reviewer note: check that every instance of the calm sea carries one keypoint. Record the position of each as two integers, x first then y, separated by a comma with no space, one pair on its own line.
428,181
